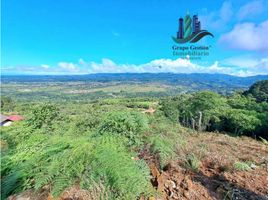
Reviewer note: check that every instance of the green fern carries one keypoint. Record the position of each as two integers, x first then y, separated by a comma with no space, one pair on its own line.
63,161
128,178
128,124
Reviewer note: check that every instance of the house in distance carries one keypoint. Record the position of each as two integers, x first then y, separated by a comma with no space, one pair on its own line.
8,120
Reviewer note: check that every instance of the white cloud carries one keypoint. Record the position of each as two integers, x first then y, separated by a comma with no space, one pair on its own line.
232,66
247,66
158,66
67,66
45,66
250,9
81,61
155,66
239,66
247,36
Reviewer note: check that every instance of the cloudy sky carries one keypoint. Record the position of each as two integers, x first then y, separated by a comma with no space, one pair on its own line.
113,36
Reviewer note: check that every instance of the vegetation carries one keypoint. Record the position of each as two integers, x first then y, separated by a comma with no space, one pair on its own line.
192,162
236,114
241,166
41,158
103,86
259,91
128,124
7,104
111,144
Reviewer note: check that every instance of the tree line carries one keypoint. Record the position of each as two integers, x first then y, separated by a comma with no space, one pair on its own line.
242,113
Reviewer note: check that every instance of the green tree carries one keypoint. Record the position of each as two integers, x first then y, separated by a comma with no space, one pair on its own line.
242,121
170,108
259,91
206,108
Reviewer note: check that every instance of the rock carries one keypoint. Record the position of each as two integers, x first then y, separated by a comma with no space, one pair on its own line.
170,184
253,166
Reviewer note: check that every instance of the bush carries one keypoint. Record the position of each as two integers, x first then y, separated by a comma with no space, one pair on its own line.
128,124
242,121
7,104
43,116
83,124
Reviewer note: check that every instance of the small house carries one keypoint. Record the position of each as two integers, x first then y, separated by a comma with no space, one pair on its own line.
8,120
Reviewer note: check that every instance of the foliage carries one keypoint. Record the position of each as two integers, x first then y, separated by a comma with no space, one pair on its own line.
170,109
62,161
164,139
97,144
7,104
43,116
112,161
237,114
192,162
240,121
259,90
83,124
241,166
128,124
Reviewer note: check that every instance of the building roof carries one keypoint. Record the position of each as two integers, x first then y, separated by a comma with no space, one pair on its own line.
15,117
3,118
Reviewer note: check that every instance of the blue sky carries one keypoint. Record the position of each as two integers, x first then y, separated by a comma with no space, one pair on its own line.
86,36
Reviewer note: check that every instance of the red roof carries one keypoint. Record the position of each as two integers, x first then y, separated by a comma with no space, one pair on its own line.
15,117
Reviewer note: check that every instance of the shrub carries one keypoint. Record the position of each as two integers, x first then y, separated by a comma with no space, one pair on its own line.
43,116
128,124
82,124
7,104
242,121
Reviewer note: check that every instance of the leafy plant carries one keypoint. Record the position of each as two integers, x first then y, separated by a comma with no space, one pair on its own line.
43,116
242,166
164,139
62,161
112,161
128,124
193,162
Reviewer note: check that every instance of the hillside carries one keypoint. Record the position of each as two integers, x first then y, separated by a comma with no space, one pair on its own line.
190,146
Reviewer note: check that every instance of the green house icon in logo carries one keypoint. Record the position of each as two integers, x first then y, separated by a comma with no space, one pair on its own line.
190,30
